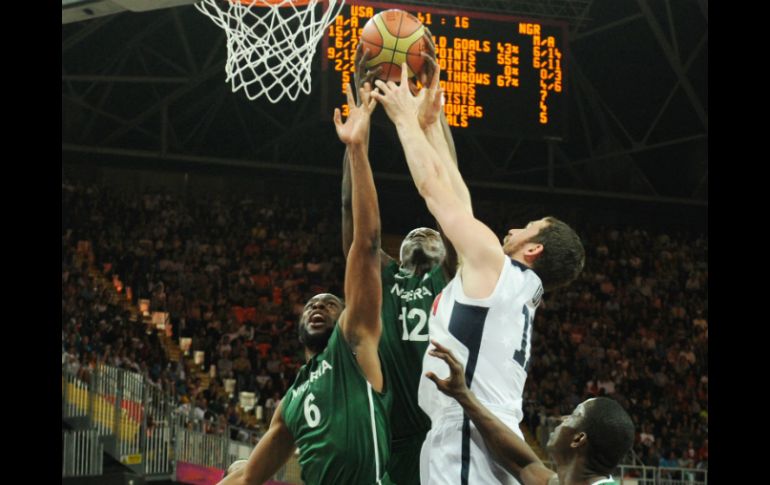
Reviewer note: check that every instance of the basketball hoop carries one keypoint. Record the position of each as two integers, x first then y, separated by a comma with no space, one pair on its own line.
270,43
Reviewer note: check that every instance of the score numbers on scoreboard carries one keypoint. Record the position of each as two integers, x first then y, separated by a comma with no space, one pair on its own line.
500,74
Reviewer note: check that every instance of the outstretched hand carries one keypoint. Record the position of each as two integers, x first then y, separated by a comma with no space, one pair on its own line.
426,73
397,99
454,385
430,106
361,75
355,128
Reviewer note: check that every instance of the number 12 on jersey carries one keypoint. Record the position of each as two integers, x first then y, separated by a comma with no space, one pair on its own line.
422,319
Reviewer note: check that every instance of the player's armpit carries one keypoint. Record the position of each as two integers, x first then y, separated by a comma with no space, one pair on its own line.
475,243
363,338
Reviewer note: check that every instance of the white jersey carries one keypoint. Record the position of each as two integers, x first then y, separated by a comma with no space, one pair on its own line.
491,337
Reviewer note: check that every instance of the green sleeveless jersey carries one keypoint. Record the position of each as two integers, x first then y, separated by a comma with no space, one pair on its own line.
406,305
339,423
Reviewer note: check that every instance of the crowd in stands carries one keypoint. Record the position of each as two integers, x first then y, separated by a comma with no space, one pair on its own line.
233,273
634,327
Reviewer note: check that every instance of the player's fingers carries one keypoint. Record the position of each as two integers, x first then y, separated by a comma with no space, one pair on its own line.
454,367
438,354
377,96
337,117
362,55
369,98
413,88
436,74
429,37
439,346
434,378
349,94
446,355
365,94
384,88
437,100
372,74
404,74
430,47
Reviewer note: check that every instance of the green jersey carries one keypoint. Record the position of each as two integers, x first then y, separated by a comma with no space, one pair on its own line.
339,423
406,305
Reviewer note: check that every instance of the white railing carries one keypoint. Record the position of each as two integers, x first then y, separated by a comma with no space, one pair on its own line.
653,475
82,452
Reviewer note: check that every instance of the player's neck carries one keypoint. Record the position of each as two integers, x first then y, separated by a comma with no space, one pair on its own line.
575,473
309,354
519,259
416,269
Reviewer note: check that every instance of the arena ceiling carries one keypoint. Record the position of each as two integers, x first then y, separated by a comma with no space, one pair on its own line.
146,83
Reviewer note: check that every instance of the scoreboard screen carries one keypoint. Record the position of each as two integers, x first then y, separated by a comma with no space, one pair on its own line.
500,74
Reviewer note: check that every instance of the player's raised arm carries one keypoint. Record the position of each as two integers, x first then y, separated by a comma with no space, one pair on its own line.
475,243
361,76
360,322
434,123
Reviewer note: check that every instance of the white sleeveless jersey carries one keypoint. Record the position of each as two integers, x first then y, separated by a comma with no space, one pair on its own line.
490,337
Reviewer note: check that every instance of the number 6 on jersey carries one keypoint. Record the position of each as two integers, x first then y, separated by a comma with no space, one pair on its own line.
312,413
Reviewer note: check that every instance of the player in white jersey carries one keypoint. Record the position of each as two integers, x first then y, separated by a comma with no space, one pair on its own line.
586,446
484,315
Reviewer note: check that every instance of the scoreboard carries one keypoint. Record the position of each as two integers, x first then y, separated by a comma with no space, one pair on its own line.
500,74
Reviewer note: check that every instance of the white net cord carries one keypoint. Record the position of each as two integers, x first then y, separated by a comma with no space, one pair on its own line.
270,44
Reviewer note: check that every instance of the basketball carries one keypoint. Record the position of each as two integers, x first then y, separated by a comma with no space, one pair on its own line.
392,38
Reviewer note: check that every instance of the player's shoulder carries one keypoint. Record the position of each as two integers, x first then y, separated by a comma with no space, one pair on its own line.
528,279
520,267
528,274
389,272
437,275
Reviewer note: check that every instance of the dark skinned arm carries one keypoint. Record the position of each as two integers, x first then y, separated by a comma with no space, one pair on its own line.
360,321
271,453
360,77
510,451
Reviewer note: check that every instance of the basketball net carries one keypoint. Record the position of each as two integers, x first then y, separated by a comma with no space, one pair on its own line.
270,43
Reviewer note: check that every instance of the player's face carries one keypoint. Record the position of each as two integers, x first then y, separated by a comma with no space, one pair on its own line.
515,239
422,243
562,435
318,319
321,312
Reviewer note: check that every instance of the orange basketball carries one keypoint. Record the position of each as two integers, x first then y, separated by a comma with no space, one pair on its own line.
394,37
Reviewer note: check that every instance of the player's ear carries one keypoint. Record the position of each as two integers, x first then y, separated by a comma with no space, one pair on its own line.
532,251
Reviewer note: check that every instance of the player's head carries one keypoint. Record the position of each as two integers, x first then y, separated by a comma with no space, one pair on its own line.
599,431
318,319
421,250
550,247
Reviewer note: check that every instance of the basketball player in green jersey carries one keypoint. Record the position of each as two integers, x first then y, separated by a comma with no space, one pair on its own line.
336,411
408,289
